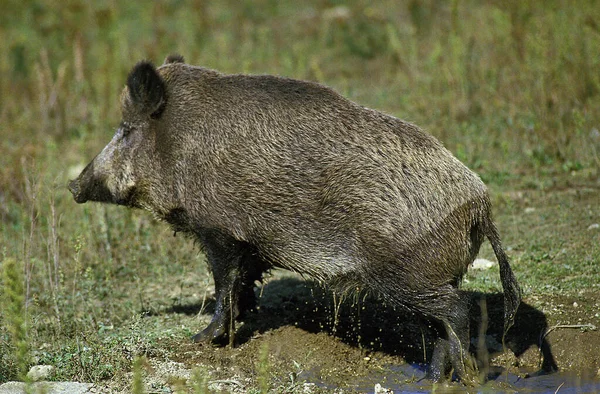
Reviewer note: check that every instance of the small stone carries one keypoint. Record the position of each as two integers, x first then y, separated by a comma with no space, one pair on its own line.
40,372
483,264
379,389
594,226
46,387
575,304
529,210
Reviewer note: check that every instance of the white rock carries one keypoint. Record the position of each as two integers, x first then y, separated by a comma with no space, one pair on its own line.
594,226
529,210
40,372
381,390
46,387
483,264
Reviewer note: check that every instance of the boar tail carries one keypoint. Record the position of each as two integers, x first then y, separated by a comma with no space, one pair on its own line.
512,291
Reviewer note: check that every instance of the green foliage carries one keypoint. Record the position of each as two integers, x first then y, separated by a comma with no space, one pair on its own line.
263,369
137,386
15,352
86,359
199,382
516,71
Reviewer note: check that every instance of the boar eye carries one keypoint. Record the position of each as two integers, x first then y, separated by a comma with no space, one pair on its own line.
126,128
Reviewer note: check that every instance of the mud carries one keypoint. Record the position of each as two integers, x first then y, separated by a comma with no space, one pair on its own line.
303,334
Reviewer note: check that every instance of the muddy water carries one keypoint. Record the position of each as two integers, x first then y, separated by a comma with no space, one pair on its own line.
410,379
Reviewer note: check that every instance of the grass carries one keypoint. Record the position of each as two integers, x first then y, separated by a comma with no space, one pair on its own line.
510,87
15,353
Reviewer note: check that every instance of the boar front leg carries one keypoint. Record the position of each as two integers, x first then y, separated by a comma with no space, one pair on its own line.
228,260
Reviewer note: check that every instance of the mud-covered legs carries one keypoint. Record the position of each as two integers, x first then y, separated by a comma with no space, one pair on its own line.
235,267
451,350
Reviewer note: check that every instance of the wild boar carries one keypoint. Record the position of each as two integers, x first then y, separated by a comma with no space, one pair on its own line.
265,171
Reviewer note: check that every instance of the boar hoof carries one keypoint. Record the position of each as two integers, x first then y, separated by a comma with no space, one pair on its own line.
215,333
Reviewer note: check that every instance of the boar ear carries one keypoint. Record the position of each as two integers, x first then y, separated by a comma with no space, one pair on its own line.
174,58
146,89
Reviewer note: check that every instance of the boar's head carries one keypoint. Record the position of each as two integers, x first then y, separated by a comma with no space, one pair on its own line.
129,167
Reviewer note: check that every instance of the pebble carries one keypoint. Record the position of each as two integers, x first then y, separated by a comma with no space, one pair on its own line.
46,387
379,389
40,372
482,264
594,226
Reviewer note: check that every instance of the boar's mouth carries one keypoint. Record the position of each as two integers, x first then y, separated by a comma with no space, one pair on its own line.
100,193
86,191
90,186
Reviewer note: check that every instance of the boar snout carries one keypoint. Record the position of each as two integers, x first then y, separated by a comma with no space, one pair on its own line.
75,189
93,185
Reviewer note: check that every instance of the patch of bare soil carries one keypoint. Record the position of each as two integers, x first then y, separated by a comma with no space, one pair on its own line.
305,334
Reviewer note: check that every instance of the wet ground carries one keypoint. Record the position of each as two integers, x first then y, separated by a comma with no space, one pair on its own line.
410,379
313,340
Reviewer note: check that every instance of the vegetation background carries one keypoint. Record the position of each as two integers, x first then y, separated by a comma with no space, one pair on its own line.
511,87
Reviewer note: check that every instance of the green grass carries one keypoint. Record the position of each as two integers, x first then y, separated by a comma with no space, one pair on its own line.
511,88
15,355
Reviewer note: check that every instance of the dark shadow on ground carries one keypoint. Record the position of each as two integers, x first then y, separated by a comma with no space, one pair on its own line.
364,321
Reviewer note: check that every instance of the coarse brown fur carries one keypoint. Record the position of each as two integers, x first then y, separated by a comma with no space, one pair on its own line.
267,172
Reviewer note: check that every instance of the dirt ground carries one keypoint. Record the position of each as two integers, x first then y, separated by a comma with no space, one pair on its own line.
308,340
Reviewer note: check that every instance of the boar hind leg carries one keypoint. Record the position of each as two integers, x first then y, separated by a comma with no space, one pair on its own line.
227,261
447,307
451,350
